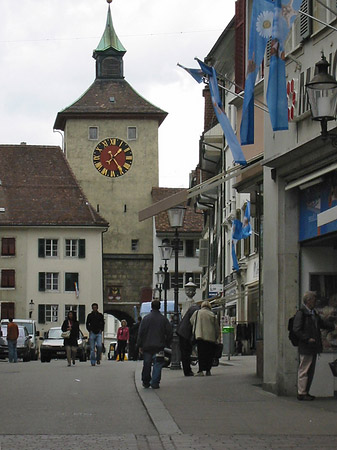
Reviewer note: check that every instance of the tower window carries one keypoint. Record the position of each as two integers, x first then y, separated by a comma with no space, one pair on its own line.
93,133
132,133
111,68
134,244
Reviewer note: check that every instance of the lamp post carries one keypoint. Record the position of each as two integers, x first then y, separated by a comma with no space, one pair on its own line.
31,306
160,280
166,252
322,95
176,218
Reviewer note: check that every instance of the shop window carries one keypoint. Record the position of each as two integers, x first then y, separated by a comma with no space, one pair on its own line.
8,247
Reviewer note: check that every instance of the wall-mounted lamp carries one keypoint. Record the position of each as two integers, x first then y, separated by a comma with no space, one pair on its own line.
31,306
322,95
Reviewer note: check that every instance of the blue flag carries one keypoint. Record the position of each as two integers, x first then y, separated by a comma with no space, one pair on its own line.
240,231
285,13
260,31
231,139
197,74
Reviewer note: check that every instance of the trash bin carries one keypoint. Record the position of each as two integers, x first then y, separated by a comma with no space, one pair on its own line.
228,340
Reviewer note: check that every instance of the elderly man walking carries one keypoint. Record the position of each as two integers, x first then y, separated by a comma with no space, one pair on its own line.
155,332
307,327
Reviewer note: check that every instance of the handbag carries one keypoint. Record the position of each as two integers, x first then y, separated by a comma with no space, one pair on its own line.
218,350
333,367
66,334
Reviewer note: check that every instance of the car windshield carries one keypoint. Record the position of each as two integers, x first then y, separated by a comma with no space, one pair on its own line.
21,331
54,333
28,325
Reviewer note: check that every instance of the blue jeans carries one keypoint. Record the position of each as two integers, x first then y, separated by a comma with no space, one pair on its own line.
148,359
12,353
95,341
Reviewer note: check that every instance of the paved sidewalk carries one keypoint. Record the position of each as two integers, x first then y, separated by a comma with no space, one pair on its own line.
229,410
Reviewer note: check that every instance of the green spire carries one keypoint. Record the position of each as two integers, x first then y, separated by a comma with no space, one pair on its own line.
109,38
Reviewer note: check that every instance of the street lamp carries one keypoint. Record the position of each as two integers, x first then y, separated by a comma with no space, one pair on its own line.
176,218
166,252
31,306
322,95
160,280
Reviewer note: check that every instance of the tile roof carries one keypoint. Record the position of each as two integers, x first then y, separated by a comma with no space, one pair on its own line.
38,188
96,102
193,222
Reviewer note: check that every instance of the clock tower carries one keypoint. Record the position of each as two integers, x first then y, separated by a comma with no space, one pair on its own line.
111,143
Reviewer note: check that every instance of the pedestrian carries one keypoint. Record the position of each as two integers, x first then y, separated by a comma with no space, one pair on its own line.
122,339
155,332
71,343
133,349
206,332
95,326
12,338
307,327
184,331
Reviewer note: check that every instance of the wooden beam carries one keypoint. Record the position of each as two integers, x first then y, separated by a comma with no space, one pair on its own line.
163,205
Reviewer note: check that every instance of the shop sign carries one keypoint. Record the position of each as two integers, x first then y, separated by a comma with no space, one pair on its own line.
214,290
313,201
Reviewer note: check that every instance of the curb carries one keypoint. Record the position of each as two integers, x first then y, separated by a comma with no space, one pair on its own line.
159,415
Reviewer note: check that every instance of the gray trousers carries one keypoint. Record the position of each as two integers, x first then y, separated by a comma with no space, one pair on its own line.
306,371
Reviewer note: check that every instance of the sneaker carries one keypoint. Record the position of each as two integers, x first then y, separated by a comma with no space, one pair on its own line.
199,374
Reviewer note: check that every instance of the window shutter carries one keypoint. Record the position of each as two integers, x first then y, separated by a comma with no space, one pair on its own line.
81,314
240,44
11,278
42,281
305,22
203,253
42,314
41,248
81,248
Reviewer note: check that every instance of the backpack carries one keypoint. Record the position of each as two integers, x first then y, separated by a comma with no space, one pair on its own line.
292,336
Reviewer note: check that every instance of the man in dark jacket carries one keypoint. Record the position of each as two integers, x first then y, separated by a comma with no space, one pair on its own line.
95,326
184,331
154,334
307,327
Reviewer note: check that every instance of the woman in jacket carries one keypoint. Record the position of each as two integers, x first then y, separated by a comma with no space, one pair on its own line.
206,333
71,343
122,339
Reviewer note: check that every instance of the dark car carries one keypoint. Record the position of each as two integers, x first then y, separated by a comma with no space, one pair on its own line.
53,347
23,347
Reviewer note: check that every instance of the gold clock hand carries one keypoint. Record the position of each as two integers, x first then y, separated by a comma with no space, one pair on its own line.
117,153
118,166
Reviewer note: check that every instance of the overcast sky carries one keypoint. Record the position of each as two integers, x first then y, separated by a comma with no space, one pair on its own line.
46,64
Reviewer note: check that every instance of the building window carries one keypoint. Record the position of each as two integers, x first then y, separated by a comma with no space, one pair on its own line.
180,280
132,133
79,310
71,281
8,278
52,313
48,247
48,281
134,244
8,247
180,246
75,248
93,133
191,248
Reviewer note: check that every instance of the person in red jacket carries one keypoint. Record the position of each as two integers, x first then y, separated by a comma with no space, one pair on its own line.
122,339
12,337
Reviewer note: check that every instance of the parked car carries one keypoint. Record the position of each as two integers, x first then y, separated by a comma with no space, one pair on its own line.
33,333
52,347
24,343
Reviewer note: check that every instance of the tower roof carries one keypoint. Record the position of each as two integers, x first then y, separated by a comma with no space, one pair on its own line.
110,39
110,99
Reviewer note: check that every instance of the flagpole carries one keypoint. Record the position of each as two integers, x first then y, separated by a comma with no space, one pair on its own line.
241,96
318,20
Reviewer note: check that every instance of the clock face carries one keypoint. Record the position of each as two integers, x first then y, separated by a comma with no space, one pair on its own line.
112,157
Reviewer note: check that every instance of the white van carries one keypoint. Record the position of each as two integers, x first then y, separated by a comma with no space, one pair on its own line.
145,308
33,333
